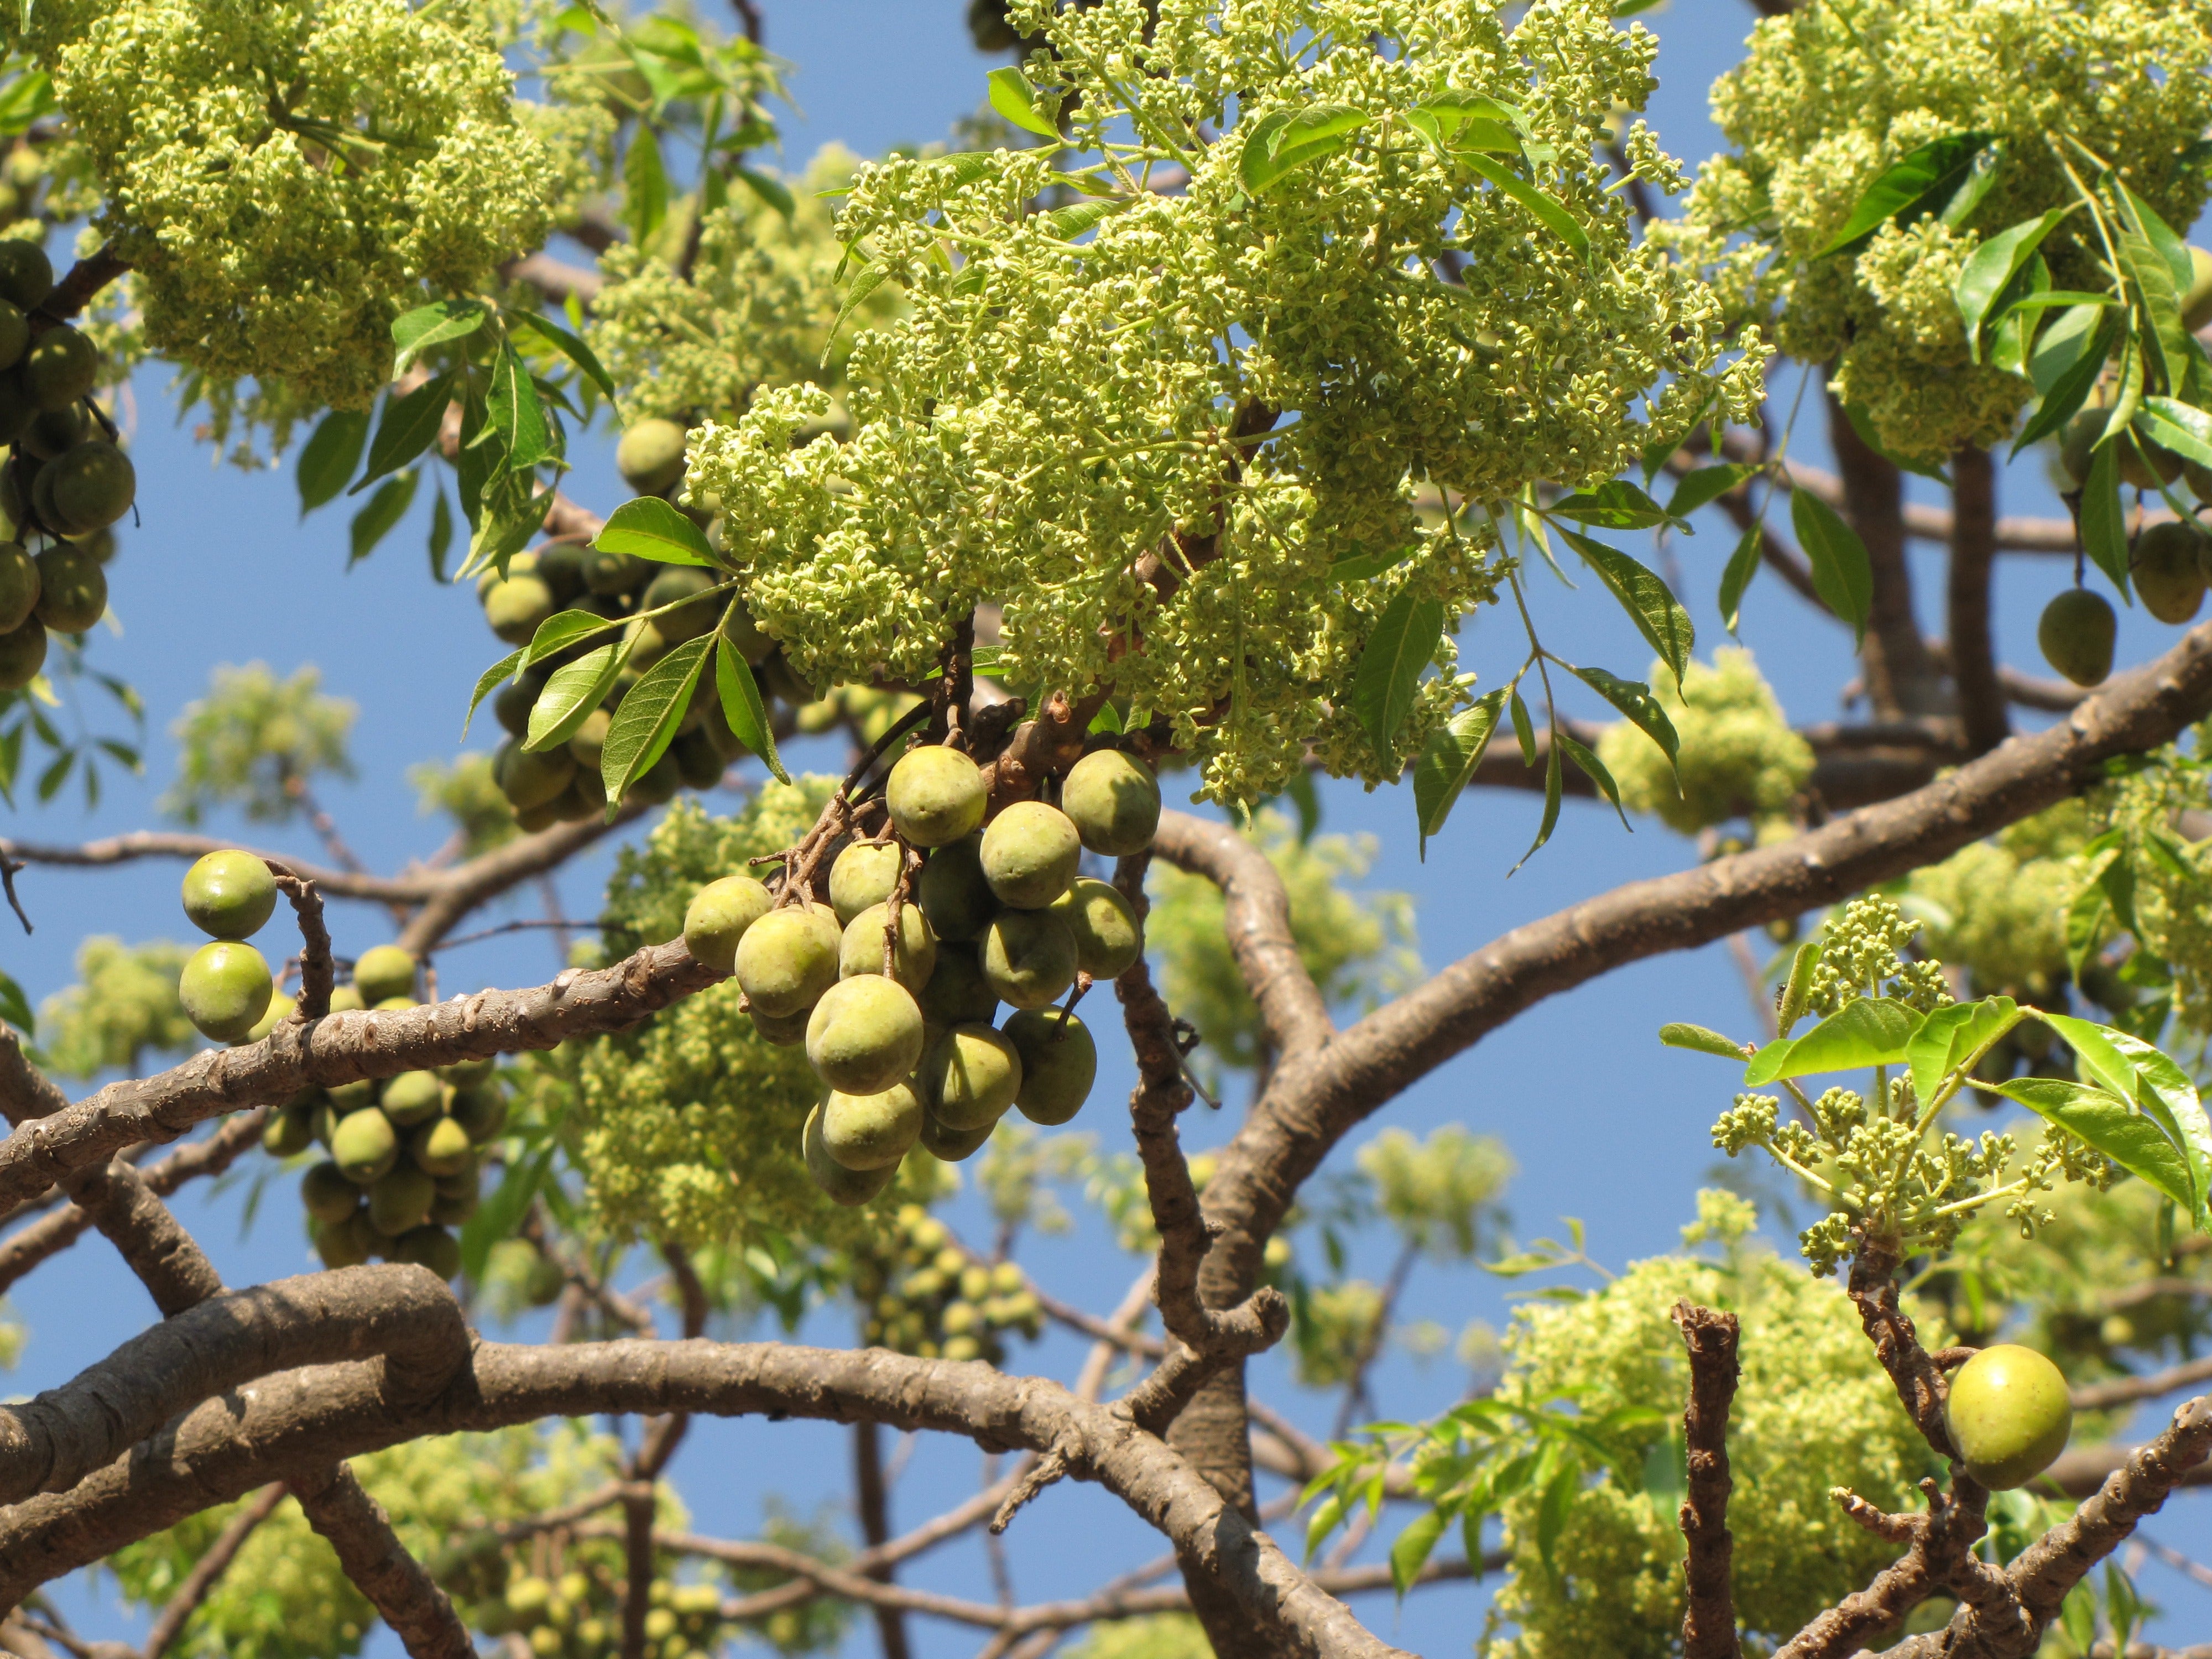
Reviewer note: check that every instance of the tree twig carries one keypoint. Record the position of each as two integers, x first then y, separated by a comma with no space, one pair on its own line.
209,1570
1708,1610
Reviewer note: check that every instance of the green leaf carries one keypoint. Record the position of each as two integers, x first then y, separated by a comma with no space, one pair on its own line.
441,535
1595,769
1868,1031
1633,698
1707,485
1920,182
327,459
1065,224
1842,575
498,673
2129,1138
1948,1037
645,723
1991,267
507,520
1651,606
2059,348
515,414
561,630
418,331
569,345
1287,140
1410,1554
1679,1035
2103,521
1358,567
770,189
2166,1085
1981,174
574,689
872,277
499,1215
1468,120
1108,719
650,528
384,509
1552,1510
2181,428
1553,788
1554,217
2096,1057
1406,636
645,184
1014,97
1448,763
1616,504
410,426
1324,1521
1524,733
1742,566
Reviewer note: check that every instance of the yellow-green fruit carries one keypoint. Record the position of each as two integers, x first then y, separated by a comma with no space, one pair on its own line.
26,275
545,1642
1029,957
1006,1278
522,564
516,607
225,988
2008,1414
383,972
2077,633
465,1073
288,1131
787,959
784,1030
22,655
863,875
865,1035
971,1076
480,1110
2144,464
1030,851
1113,801
18,586
675,586
935,795
429,1246
2168,572
949,1145
529,779
958,994
350,1097
340,1243
346,999
2197,303
280,1010
954,895
93,484
862,949
561,568
72,590
398,1004
871,1132
512,704
230,894
608,574
441,1147
59,368
718,917
328,1196
2077,442
1060,1062
650,456
400,1198
526,1597
364,1145
413,1098
544,1284
849,1187
588,742
1108,935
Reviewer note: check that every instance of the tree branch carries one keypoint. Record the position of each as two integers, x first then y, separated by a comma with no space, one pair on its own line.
1708,1610
874,1506
1973,557
209,1570
357,1528
1900,680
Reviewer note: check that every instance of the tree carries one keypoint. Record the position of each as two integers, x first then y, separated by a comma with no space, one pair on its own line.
1175,426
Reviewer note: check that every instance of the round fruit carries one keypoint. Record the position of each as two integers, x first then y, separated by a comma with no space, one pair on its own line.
400,1198
364,1145
15,334
862,950
952,892
346,999
650,456
2077,633
658,786
340,1243
718,917
328,1195
849,1187
2168,572
2197,303
441,1147
22,653
430,1247
871,1132
865,1035
1108,935
971,1076
743,632
480,1109
935,795
1030,854
59,368
225,988
18,586
958,994
561,568
413,1098
512,705
2010,1415
698,761
350,1097
588,742
72,590
50,431
949,1145
1029,957
280,1009
516,606
530,779
1113,801
787,959
288,1131
2078,443
26,276
863,875
675,584
1060,1061
466,1074
544,1282
94,484
383,972
608,573
229,894
784,1030
2144,464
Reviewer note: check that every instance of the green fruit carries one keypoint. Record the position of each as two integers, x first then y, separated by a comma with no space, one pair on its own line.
743,632
935,795
350,1097
15,334
225,988
400,1198
849,1187
526,1597
953,893
328,1196
971,1076
864,874
430,1247
608,573
1006,1278
949,1145
530,779
2078,440
516,606
699,763
1058,1065
18,586
348,999
364,1145
1029,957
676,584
441,1147
544,1282
561,568
865,1035
719,915
280,1009
2144,464
16,410
1030,853
397,1005
100,544
480,1110
341,1243
1108,935
72,590
512,704
229,894
467,1073
59,367
1113,801
93,484
454,1209
784,1030
650,456
862,950
384,971
787,959
2197,303
26,276
871,1132
2168,571
49,432
464,1182
658,786
22,653
958,994
589,741
2076,634
288,1131
48,516
2008,1414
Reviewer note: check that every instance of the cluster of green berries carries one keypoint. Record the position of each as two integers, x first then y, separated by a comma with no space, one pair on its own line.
62,478
897,1016
927,1296
578,1616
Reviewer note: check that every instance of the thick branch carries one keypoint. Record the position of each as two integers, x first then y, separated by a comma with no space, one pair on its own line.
356,1525
1900,681
1708,1610
1974,558
2127,1390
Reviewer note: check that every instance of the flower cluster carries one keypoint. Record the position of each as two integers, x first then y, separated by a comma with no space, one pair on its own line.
1738,758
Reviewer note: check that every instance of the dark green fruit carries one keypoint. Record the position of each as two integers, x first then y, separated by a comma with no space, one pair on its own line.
971,1076
413,1098
958,994
865,1035
2077,443
864,874
658,787
480,1110
225,988
26,276
543,1285
2076,634
608,573
743,632
950,1145
60,367
364,1145
288,1131
341,1243
784,1030
871,1132
516,606
1029,957
849,1187
441,1147
2008,1414
512,704
1030,851
862,950
22,653
698,761
2197,303
328,1195
2168,570
650,456
2144,464
935,795
18,586
1108,935
588,742
1113,801
15,334
561,568
528,779
230,894
718,917
400,1198
16,409
1060,1062
953,894
430,1246
787,959
49,432
385,971
94,485
675,584
452,1210
72,590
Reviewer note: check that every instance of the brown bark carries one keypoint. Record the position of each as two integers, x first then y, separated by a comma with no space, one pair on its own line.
875,1530
1900,680
1708,1601
1973,559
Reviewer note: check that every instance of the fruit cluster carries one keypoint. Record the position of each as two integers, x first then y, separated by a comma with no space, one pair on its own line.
893,987
579,1616
226,986
927,1296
